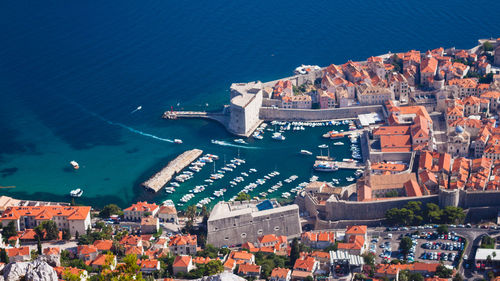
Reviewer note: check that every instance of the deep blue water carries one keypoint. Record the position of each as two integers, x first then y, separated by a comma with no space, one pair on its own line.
71,70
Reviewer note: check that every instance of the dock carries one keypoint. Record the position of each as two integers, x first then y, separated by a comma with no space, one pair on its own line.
350,165
160,179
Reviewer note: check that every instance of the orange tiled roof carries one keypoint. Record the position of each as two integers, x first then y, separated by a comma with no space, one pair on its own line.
101,260
279,272
130,240
395,143
51,251
304,264
46,212
241,255
142,207
391,130
134,250
151,264
357,229
21,251
268,238
182,261
103,245
86,249
246,268
354,243
412,189
183,240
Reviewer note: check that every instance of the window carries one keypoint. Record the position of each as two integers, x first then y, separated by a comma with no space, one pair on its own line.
227,238
243,235
276,228
260,231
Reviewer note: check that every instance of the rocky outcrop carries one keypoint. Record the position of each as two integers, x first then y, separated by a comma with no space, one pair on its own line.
37,270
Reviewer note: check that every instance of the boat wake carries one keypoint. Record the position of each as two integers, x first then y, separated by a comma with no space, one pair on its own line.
225,143
122,125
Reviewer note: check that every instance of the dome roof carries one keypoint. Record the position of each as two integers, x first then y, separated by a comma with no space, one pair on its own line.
459,130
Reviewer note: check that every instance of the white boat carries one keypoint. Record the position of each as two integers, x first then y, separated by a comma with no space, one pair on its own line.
240,141
349,179
75,164
175,184
76,192
338,143
252,170
278,136
323,146
179,141
325,166
305,152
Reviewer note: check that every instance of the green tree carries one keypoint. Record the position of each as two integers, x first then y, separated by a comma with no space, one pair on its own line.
109,210
443,272
66,235
442,229
3,256
242,196
405,245
39,247
309,278
9,231
433,212
369,259
295,251
487,46
191,212
214,267
487,242
68,276
452,214
47,230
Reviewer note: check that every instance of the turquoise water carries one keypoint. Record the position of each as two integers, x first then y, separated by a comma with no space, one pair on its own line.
71,73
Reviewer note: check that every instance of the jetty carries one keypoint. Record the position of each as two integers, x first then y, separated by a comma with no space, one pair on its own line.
350,165
160,179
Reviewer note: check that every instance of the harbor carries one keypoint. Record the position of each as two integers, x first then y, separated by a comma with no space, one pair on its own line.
160,179
250,165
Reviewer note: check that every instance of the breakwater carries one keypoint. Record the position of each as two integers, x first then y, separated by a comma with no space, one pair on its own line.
158,180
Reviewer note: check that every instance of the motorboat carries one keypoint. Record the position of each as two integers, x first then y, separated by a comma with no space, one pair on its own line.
325,166
323,146
338,143
178,141
76,192
75,164
278,136
349,179
305,152
241,141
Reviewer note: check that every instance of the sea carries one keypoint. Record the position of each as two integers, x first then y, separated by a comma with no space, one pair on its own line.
73,72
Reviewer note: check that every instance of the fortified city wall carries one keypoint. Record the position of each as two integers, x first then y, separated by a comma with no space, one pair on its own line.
479,204
354,210
249,226
291,114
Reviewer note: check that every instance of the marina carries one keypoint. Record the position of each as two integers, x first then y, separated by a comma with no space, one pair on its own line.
160,179
211,181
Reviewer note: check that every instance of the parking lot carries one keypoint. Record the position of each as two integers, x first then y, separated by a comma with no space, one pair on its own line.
428,246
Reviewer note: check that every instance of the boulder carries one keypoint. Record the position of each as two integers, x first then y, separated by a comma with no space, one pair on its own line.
37,270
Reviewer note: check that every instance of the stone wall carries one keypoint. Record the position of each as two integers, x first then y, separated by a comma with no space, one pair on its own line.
288,114
473,199
353,210
247,228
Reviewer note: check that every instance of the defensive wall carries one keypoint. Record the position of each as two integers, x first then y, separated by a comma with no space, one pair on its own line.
292,114
371,210
478,204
